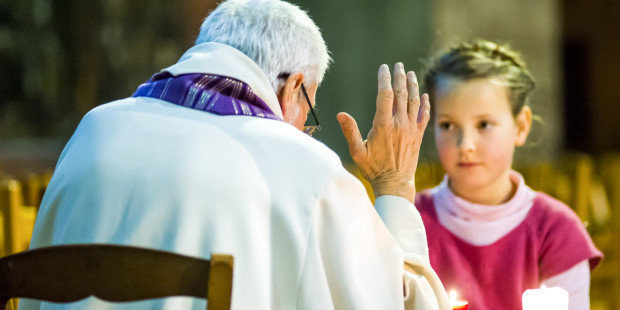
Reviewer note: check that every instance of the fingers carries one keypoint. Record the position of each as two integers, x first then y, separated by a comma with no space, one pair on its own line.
397,98
400,90
413,102
352,134
425,112
385,96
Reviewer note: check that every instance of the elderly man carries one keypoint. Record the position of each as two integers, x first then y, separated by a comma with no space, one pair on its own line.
209,155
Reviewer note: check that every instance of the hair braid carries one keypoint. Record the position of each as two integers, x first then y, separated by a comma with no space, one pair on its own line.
482,59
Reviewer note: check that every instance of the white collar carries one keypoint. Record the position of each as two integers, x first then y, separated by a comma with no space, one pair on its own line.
221,59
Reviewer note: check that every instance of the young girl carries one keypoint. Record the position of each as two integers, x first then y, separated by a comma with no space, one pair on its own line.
490,236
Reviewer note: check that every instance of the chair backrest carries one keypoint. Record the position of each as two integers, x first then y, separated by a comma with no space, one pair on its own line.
17,219
68,273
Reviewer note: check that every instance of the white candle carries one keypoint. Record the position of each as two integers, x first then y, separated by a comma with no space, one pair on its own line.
545,298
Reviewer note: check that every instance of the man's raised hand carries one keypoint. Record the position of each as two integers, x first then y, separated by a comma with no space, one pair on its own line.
388,158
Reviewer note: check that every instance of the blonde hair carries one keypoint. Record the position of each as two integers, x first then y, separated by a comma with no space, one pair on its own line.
480,59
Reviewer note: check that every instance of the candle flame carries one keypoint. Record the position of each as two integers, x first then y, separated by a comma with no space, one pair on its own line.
452,296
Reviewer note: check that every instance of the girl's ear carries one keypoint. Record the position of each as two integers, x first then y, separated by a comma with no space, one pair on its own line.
524,124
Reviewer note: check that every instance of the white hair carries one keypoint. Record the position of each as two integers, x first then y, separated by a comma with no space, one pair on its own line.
279,36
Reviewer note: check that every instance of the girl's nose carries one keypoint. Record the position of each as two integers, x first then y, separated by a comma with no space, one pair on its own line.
466,141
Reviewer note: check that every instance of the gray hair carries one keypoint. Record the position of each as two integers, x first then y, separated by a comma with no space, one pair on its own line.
279,36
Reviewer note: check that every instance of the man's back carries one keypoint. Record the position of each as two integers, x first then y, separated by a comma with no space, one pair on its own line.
148,173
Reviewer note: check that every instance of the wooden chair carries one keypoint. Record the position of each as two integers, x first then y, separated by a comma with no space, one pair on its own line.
68,273
34,187
16,219
605,282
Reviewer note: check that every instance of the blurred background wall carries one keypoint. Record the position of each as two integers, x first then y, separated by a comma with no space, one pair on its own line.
361,36
60,58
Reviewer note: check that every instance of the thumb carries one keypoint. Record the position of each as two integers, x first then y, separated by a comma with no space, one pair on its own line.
352,134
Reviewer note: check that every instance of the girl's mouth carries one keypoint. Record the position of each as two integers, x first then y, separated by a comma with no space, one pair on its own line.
467,164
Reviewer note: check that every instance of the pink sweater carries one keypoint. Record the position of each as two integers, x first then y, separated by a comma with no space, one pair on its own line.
549,240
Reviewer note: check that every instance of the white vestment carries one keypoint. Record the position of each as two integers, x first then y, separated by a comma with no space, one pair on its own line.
303,233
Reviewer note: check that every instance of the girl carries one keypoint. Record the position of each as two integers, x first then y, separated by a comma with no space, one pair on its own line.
490,236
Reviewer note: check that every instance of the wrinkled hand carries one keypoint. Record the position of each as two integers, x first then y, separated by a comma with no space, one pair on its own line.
388,158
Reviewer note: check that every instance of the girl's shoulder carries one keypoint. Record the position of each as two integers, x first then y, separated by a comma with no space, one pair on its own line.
425,205
424,200
550,209
564,240
552,217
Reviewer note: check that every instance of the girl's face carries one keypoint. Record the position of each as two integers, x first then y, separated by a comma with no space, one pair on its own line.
476,135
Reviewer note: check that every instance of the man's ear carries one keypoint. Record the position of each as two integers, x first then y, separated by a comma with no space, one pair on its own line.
524,124
288,94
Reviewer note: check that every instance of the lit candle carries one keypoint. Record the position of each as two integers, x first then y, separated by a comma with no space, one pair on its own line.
552,298
457,304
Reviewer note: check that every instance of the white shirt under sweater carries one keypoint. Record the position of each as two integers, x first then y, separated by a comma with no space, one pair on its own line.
303,232
483,225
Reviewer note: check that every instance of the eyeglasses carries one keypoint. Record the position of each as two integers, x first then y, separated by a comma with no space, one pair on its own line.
309,130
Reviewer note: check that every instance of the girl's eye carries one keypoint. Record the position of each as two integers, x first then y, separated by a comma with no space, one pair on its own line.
445,125
484,125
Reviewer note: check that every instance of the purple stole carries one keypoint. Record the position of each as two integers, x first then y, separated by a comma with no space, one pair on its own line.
217,94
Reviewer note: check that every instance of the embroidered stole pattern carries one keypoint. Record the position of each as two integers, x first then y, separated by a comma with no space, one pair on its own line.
217,94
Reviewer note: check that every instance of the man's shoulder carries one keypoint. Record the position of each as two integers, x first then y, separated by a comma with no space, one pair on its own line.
103,110
297,145
270,139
